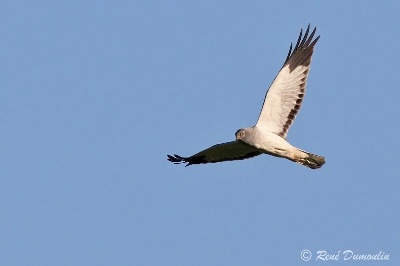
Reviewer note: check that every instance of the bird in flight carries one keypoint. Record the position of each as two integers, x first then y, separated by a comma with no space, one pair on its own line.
281,104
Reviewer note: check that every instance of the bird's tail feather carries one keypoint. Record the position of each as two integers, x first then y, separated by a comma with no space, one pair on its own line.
312,161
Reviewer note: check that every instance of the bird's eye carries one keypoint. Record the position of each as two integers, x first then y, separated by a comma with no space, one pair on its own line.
241,133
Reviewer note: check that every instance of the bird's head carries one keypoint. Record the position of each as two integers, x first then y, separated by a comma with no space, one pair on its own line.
240,134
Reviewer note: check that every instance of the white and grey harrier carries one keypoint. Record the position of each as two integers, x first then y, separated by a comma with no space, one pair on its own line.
281,104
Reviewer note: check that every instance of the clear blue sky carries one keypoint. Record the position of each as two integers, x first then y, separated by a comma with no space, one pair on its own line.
95,94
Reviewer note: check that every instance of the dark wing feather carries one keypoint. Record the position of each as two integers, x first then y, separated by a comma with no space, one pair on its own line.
228,151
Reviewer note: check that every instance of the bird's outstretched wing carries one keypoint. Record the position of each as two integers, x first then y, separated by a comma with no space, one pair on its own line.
228,151
284,96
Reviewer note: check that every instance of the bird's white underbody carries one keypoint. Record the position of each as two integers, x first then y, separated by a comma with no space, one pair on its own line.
274,144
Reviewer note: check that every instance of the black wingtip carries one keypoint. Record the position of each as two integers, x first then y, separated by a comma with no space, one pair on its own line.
303,42
290,51
176,159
